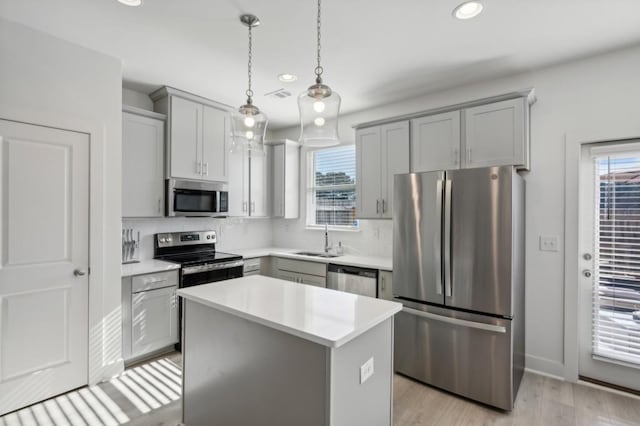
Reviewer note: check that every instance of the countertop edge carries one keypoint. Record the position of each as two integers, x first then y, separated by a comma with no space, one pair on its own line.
287,253
293,331
147,267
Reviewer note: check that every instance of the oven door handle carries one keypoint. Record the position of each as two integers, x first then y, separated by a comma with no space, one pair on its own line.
211,267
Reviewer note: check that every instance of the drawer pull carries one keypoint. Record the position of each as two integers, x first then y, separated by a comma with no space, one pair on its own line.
456,321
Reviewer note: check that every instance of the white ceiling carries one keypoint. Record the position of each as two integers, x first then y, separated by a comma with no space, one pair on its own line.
374,51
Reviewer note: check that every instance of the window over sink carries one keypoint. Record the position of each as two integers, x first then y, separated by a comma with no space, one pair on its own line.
331,188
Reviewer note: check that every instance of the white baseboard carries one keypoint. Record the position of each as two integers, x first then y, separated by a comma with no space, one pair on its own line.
544,367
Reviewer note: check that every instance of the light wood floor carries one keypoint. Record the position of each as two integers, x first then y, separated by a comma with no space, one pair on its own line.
149,394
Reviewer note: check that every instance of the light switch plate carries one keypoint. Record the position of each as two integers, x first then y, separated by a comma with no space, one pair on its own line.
366,370
548,243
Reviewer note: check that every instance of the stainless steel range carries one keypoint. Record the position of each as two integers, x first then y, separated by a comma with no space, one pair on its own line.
199,260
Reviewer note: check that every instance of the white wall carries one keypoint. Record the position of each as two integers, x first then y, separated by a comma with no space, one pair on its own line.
595,95
45,80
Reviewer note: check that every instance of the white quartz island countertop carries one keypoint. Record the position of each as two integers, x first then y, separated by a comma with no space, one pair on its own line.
327,317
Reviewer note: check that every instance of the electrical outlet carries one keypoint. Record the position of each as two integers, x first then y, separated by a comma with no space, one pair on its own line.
366,370
548,243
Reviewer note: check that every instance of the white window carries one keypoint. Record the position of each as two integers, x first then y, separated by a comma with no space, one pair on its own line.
331,184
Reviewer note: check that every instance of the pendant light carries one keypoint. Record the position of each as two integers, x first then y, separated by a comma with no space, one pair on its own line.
319,108
248,123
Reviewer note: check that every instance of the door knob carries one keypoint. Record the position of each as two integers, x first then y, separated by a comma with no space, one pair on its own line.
79,272
586,273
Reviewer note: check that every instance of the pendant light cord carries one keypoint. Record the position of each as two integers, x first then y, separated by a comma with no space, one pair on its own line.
249,92
319,69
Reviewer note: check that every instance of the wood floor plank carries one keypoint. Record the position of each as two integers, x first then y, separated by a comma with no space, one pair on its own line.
559,391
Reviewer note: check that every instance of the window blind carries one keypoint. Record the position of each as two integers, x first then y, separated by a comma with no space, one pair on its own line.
616,301
332,188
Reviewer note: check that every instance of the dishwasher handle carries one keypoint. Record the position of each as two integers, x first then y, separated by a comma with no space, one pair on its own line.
352,270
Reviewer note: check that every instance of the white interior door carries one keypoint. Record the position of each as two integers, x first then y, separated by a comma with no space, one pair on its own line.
609,305
44,237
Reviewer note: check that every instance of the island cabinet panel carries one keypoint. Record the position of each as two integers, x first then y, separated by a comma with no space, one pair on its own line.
356,403
238,372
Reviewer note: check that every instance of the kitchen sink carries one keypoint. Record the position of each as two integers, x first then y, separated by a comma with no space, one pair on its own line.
316,254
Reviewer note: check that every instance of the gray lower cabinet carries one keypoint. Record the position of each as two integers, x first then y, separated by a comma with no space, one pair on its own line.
303,272
385,286
150,313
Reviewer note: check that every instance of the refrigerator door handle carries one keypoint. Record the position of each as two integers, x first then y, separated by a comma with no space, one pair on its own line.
438,238
456,321
447,239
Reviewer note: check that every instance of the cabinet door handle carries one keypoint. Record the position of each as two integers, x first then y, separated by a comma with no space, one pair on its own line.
455,155
159,205
244,206
384,206
468,155
377,206
198,168
253,207
382,284
205,169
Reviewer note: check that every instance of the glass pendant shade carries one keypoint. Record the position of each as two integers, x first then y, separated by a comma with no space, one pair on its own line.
319,108
248,127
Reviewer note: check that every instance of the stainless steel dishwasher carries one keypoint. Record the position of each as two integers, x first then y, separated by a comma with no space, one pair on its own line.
363,281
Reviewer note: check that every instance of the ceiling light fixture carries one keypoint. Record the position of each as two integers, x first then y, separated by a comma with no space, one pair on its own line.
131,2
468,10
287,78
319,108
248,123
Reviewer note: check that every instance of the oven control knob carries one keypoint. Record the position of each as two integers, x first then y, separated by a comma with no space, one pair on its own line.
162,240
208,237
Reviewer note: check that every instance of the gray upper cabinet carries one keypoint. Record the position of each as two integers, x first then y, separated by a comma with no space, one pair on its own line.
482,133
198,130
285,161
142,163
495,134
381,152
435,142
249,182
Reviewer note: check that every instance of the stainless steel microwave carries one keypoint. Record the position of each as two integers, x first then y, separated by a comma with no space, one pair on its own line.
196,198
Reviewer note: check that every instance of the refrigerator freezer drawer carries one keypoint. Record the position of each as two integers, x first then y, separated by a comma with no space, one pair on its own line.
467,354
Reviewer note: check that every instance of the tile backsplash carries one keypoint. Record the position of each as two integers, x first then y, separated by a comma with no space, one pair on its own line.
233,233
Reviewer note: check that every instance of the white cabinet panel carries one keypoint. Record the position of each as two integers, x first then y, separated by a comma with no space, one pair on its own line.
435,142
259,185
495,134
142,166
285,188
185,139
368,173
381,152
394,160
238,184
154,320
215,130
385,285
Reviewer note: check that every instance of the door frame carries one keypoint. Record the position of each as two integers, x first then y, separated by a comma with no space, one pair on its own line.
105,326
574,142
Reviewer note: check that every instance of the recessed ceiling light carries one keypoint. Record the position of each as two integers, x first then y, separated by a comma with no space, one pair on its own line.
287,78
468,10
131,2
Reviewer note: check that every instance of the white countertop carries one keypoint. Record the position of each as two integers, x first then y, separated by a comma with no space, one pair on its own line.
147,267
327,317
374,262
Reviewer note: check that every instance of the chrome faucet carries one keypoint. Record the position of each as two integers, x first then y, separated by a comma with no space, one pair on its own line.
326,238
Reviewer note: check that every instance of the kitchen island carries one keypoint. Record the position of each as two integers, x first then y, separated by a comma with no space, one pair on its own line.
264,351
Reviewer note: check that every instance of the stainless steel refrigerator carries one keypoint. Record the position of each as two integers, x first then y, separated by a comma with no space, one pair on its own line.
458,269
